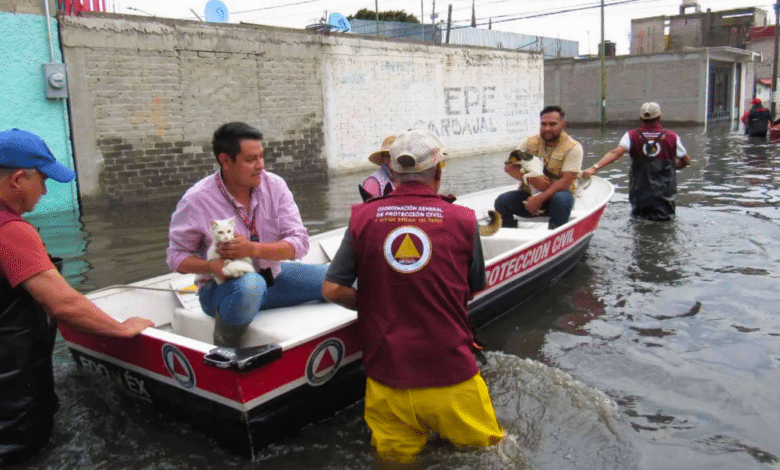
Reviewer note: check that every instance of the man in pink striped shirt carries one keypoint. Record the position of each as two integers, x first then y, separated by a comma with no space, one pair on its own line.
268,230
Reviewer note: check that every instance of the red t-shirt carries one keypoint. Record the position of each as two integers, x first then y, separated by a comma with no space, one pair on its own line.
22,253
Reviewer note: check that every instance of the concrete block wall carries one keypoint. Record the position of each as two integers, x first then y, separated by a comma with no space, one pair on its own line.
147,94
763,66
647,35
674,80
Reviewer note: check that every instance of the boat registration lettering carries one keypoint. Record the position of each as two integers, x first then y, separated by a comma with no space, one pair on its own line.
128,380
94,367
136,385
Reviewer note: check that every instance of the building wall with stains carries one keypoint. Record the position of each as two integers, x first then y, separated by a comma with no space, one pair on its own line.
147,93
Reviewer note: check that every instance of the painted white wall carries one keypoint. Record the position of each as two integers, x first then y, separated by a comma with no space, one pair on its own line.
474,100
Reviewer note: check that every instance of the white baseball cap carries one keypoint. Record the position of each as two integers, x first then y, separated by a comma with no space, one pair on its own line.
415,151
650,111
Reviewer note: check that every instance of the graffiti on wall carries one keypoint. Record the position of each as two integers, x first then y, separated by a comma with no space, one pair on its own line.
471,110
467,110
520,108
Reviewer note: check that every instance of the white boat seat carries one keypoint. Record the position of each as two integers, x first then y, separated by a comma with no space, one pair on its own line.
284,325
506,239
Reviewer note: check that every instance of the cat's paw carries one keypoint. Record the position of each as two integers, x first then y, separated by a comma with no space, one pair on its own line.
237,268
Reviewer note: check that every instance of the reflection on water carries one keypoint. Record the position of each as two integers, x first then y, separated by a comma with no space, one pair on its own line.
658,350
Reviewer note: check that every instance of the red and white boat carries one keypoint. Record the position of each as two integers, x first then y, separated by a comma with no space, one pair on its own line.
299,364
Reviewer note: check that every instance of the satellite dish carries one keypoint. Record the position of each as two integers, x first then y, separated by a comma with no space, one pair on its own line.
216,12
339,23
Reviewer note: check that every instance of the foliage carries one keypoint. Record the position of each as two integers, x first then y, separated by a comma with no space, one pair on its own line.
392,15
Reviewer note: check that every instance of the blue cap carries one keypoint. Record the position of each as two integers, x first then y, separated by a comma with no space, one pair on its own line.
23,149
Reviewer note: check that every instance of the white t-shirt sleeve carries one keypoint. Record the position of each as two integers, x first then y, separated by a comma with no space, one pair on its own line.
681,152
625,142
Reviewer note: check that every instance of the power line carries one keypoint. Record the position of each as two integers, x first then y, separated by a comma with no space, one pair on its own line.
559,12
275,6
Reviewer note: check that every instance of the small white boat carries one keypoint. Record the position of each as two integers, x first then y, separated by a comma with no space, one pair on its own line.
299,364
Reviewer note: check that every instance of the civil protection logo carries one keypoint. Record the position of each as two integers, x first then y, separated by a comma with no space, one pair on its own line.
324,361
652,149
407,249
178,366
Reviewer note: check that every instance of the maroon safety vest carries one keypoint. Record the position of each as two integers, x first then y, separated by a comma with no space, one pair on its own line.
412,253
652,182
652,141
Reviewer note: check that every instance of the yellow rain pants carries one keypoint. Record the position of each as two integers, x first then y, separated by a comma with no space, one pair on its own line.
401,420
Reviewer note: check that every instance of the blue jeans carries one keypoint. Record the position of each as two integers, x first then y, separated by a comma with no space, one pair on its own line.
558,208
238,300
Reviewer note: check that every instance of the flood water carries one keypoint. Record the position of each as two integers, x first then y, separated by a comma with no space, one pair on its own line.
659,350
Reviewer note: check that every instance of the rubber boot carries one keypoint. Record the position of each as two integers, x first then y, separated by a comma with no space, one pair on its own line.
227,335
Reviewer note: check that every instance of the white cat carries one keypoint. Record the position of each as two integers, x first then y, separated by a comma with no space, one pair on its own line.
222,231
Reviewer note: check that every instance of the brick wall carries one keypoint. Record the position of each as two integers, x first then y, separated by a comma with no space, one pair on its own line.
762,69
147,94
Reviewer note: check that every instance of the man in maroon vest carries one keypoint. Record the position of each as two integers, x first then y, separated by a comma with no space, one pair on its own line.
757,119
656,155
418,260
33,295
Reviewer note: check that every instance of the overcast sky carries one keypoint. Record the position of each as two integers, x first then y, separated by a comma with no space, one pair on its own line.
581,23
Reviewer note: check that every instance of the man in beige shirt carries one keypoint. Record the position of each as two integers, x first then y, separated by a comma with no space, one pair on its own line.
562,158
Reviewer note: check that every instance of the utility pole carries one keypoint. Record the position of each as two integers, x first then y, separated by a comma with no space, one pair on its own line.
422,19
602,53
774,64
449,23
376,8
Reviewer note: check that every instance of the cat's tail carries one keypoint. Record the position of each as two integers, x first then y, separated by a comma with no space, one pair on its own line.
494,223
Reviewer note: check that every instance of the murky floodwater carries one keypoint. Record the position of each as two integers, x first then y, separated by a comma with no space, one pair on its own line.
660,350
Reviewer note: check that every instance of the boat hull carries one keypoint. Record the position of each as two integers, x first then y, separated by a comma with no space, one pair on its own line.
307,376
243,411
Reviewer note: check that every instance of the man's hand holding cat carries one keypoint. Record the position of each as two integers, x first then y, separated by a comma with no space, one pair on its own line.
540,182
214,267
238,247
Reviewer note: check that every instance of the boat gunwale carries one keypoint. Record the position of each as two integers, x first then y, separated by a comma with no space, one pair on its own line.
288,344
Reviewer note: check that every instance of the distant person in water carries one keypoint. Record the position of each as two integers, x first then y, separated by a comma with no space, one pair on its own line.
757,119
656,155
381,181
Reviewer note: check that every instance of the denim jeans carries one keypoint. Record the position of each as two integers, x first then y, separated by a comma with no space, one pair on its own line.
558,208
239,300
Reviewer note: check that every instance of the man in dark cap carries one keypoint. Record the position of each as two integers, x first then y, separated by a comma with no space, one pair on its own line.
33,296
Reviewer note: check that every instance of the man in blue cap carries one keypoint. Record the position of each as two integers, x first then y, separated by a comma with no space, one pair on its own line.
33,296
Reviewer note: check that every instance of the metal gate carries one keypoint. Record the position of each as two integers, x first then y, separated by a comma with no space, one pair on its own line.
719,92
